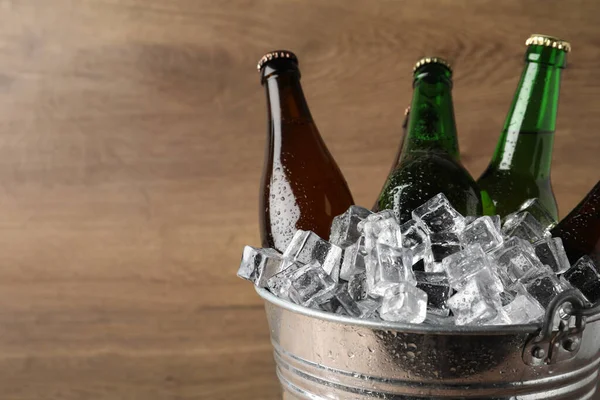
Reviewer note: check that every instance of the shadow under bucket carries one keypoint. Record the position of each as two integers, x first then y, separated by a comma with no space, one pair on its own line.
326,356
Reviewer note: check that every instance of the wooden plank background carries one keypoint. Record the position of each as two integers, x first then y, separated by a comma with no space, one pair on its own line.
131,144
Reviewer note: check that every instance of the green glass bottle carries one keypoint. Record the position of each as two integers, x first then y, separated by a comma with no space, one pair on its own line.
430,162
375,207
520,167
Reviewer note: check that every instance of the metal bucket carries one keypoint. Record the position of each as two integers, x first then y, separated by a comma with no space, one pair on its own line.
327,356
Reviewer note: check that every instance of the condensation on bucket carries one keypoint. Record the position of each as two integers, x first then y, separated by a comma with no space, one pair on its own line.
324,356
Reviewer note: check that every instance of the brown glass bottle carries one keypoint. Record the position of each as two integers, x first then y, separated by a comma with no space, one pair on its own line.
580,230
302,186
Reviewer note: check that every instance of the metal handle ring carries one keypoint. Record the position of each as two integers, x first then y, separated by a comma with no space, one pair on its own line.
582,311
575,308
556,343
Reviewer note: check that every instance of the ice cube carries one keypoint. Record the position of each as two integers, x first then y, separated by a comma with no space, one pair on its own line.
438,291
368,308
279,284
382,230
542,284
507,296
330,306
420,266
375,217
482,231
591,290
469,219
524,226
357,286
404,303
335,273
585,276
347,302
551,252
344,228
443,244
437,215
478,301
501,318
381,227
307,246
353,261
434,319
524,309
341,311
461,267
389,233
521,309
539,212
583,271
515,257
415,239
389,266
311,285
497,222
258,265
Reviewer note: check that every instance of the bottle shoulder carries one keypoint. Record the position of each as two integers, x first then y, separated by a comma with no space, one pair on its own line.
493,179
418,178
430,163
508,190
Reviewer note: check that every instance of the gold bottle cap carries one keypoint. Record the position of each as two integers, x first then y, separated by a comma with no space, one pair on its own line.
273,55
548,41
432,60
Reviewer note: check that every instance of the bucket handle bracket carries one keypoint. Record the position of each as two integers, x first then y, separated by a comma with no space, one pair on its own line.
560,336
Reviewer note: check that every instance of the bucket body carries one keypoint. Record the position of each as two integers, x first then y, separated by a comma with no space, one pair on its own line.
326,356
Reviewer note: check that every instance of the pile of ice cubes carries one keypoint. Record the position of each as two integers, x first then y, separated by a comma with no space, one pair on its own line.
437,268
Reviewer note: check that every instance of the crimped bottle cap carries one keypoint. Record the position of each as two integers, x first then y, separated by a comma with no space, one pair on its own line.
273,55
548,41
432,60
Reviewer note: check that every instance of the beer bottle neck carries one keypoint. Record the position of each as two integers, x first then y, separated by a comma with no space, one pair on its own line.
285,99
431,123
525,146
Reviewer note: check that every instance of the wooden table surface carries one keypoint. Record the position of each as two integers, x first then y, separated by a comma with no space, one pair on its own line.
131,144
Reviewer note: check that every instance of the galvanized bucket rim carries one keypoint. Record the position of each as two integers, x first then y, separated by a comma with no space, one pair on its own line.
396,326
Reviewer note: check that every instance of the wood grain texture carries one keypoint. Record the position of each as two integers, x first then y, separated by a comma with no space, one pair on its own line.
131,143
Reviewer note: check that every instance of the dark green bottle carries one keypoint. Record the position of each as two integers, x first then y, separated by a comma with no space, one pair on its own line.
520,167
580,230
430,162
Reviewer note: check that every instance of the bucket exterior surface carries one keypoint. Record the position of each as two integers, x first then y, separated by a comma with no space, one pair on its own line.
325,356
